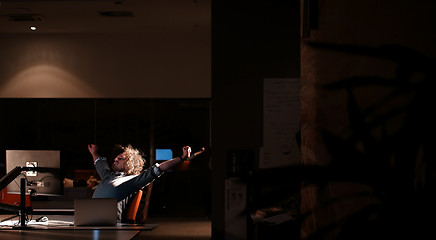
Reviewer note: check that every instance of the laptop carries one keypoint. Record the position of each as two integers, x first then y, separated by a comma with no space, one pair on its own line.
95,212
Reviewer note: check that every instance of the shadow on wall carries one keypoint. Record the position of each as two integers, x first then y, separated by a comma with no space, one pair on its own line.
380,182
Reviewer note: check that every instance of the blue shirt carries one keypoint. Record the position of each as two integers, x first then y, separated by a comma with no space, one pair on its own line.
119,186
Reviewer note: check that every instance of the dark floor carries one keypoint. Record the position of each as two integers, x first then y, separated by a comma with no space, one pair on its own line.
177,228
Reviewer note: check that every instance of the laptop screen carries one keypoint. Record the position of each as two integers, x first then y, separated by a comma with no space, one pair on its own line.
95,212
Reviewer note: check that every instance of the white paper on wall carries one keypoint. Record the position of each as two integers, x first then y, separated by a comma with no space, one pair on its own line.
281,122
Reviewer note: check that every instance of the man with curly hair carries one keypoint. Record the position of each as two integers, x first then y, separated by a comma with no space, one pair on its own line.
129,175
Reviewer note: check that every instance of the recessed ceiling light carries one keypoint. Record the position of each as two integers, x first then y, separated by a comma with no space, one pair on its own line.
33,28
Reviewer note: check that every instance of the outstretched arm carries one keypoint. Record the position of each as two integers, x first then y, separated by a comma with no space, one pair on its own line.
93,149
196,154
169,164
102,167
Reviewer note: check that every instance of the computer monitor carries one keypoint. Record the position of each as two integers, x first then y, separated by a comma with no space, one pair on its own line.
46,182
163,154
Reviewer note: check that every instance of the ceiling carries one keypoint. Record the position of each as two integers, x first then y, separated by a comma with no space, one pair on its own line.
110,16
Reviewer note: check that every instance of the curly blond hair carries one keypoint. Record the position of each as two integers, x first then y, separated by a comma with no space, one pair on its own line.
134,161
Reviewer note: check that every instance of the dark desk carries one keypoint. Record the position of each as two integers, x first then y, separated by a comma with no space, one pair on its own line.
67,234
61,227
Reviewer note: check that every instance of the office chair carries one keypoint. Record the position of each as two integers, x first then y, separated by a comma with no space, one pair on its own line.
137,210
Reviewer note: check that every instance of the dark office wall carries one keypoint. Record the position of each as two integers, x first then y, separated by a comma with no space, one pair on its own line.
250,41
367,89
71,124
